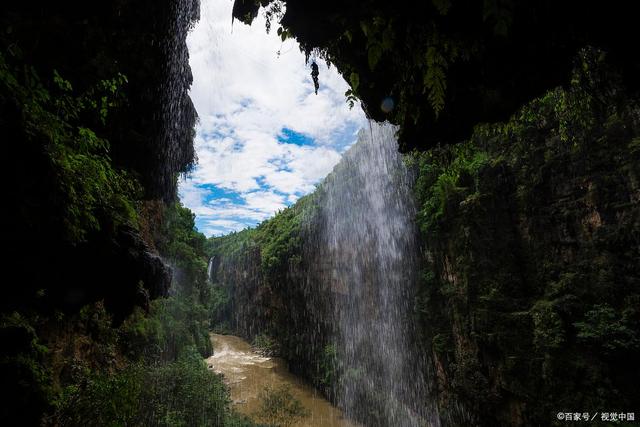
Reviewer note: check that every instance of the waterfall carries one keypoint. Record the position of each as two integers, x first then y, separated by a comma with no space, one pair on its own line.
369,263
209,268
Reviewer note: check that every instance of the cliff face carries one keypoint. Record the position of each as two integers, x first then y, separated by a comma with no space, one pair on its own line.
528,298
531,274
271,292
143,40
95,118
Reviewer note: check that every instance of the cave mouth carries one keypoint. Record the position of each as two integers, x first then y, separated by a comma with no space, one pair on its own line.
514,275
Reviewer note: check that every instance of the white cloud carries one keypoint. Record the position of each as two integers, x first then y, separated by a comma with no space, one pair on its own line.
246,94
216,227
192,196
265,201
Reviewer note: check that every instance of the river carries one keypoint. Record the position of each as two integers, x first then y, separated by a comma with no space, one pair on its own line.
247,373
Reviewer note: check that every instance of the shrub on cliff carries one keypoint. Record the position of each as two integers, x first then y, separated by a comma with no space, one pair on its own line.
278,407
179,393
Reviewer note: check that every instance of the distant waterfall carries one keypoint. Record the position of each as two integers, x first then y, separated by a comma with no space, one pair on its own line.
369,263
209,268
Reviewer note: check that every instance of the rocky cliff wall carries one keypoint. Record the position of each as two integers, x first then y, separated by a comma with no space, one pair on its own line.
531,250
95,118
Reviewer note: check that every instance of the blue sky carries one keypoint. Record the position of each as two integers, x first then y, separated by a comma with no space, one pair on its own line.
264,138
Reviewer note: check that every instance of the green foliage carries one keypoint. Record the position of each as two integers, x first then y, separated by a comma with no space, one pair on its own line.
354,80
435,79
443,6
605,328
265,345
163,380
218,303
184,247
328,367
573,115
160,377
634,145
172,325
374,53
441,343
442,172
232,244
548,332
182,320
88,185
279,240
95,322
23,363
382,37
278,407
179,393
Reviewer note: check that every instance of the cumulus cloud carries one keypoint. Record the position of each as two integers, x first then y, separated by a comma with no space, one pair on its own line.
264,138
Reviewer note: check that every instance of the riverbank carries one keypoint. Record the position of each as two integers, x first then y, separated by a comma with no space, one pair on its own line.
247,374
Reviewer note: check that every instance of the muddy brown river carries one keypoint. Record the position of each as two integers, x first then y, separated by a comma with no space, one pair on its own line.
247,373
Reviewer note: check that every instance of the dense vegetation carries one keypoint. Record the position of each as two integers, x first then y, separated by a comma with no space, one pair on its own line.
278,407
147,370
528,300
